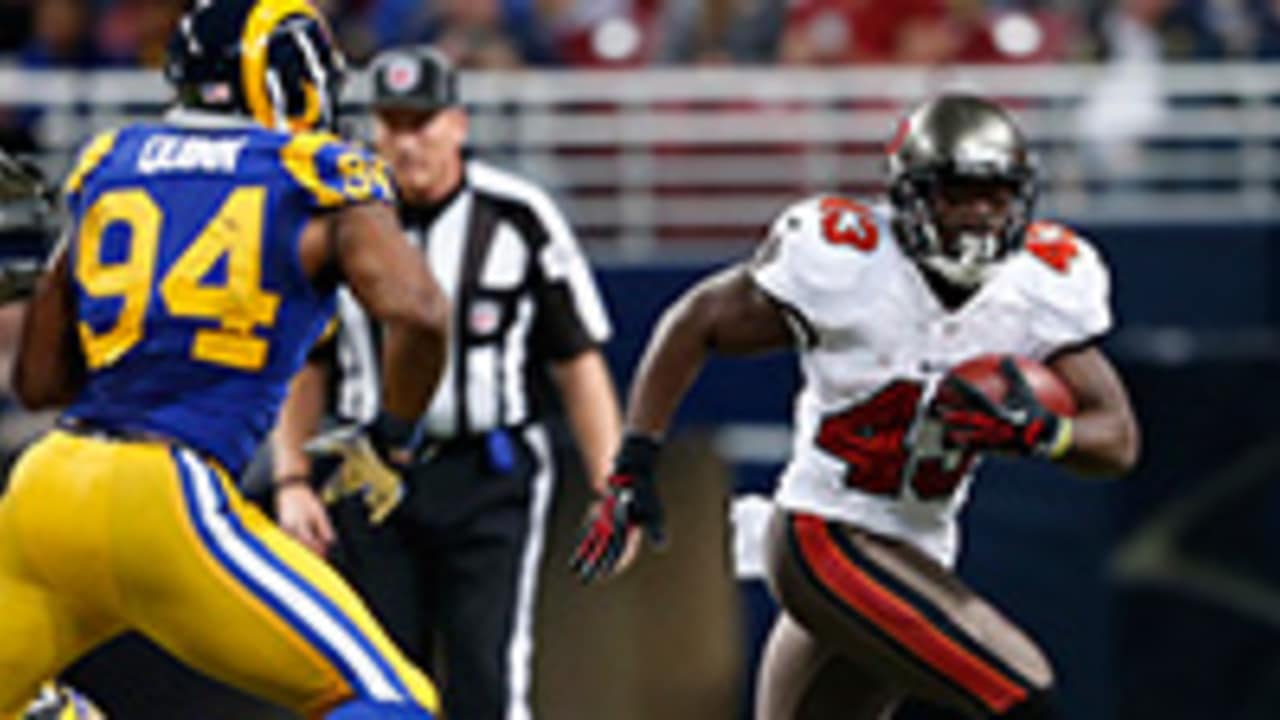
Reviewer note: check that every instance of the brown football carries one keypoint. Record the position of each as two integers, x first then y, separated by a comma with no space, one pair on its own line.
983,372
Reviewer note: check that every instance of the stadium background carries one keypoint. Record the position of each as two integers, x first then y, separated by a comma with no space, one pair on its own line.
672,130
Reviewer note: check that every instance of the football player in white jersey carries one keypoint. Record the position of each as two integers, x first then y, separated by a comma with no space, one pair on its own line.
879,303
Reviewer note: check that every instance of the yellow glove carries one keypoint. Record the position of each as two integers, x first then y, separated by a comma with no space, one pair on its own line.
361,472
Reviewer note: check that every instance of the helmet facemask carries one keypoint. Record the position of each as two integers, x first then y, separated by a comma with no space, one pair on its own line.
962,226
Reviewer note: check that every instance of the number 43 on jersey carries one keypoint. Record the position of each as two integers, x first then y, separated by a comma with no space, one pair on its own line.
872,439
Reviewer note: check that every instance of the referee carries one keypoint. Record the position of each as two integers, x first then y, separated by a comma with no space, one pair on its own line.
451,572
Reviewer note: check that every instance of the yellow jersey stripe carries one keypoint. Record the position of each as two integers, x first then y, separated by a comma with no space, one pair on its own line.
89,159
330,329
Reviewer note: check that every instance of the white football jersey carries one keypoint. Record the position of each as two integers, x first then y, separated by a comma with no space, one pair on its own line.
875,342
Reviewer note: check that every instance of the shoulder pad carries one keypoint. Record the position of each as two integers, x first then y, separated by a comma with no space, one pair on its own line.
1062,257
1069,283
334,173
820,243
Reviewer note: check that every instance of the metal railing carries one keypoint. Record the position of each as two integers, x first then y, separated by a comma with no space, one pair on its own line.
657,159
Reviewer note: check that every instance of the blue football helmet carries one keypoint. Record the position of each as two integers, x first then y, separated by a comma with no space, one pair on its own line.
274,61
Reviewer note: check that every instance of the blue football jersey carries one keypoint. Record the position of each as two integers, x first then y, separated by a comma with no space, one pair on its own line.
194,311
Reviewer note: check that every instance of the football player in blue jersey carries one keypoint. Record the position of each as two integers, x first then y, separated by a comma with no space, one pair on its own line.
198,270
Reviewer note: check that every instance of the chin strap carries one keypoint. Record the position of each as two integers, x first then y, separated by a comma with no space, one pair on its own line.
964,275
967,271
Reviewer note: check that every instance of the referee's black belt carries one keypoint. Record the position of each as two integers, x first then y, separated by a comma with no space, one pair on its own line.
498,444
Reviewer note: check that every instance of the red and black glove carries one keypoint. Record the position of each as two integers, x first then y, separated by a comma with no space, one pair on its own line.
1019,425
630,500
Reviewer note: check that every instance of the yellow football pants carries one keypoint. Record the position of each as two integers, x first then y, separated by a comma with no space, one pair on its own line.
99,536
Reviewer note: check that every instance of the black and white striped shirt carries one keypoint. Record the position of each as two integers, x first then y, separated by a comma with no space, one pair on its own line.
522,295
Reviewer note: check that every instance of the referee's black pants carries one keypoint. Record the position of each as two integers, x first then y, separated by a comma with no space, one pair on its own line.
452,572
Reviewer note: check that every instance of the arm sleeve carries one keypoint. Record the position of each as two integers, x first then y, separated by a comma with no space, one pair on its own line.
1076,305
330,173
87,161
325,348
571,314
773,267
778,269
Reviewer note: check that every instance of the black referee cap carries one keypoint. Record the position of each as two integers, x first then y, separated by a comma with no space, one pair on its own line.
417,77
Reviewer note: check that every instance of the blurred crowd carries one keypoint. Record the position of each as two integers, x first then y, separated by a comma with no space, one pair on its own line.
1133,37
603,33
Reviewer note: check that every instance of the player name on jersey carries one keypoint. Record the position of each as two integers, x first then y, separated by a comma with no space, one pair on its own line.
176,153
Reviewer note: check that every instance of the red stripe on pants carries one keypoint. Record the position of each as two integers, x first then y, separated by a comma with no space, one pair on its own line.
900,620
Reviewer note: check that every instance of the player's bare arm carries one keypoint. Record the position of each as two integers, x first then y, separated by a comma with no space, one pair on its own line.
50,369
1105,438
299,510
299,420
390,280
727,314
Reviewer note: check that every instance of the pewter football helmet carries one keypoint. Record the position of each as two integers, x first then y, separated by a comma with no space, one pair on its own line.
957,138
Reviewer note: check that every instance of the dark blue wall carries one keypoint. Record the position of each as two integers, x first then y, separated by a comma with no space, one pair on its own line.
1202,276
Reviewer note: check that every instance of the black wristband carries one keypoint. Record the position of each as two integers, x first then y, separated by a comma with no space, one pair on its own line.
638,454
390,432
